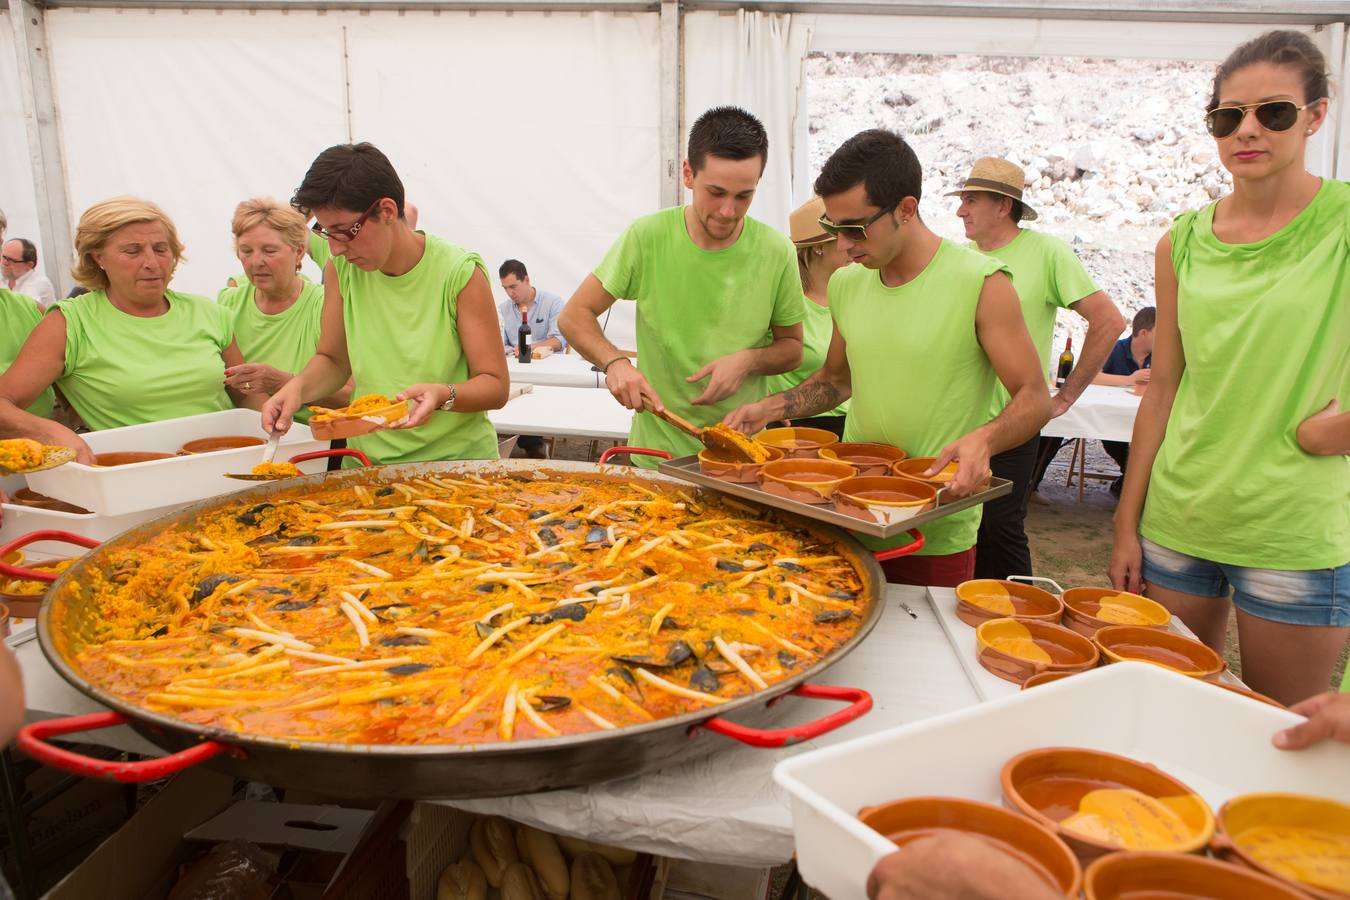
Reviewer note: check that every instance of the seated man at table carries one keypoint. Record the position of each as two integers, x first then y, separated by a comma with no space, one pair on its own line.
540,310
719,301
1129,364
923,330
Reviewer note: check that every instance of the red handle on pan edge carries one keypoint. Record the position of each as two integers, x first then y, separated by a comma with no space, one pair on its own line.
859,702
325,454
33,537
913,546
32,741
631,451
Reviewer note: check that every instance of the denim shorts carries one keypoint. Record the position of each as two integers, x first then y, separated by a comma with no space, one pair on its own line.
1298,597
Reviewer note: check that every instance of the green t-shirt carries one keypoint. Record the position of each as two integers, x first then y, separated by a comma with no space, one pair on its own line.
1048,277
1265,329
19,315
920,377
817,329
285,341
318,250
127,370
402,330
694,306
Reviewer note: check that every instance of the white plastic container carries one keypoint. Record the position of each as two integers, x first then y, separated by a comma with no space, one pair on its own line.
120,490
20,520
1216,742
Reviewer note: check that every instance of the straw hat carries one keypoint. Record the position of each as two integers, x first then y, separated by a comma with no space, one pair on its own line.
804,224
997,176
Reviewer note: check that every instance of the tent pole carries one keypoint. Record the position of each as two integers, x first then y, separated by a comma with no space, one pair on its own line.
45,154
672,79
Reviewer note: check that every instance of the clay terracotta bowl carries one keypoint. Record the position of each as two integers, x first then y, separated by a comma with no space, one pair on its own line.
1045,678
26,605
4,621
987,598
883,499
916,466
1088,609
228,442
355,426
1049,785
867,458
805,480
1249,693
1178,876
1162,648
797,443
128,457
1248,825
1033,845
27,497
1016,649
720,464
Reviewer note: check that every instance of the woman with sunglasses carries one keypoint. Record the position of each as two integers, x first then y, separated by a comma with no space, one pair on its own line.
818,257
131,350
275,311
405,314
1253,337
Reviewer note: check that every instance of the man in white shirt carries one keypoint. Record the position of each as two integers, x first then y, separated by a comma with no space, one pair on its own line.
18,264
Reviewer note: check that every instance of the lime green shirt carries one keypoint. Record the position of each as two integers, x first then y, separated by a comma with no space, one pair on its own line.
817,329
285,341
920,377
19,315
402,330
1048,277
1265,328
694,306
127,370
318,250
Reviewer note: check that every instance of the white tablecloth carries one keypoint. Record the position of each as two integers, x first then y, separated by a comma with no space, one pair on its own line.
560,370
564,412
1102,413
723,808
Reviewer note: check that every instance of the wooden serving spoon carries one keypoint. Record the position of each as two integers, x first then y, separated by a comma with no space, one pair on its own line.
719,437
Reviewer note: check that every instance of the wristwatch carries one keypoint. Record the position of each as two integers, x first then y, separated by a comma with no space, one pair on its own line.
449,405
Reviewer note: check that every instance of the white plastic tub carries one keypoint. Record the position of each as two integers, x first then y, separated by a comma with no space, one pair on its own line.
134,488
1215,741
20,520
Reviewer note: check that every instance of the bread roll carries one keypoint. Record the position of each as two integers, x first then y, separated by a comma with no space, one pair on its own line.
494,846
519,883
615,856
593,879
462,880
540,850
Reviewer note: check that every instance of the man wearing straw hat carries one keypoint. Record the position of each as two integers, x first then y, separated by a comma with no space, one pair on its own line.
923,329
1048,277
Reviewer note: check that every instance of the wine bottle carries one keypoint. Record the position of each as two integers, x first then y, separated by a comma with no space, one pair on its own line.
1065,364
523,339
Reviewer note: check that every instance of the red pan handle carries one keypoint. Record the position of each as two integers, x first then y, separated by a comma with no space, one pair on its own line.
913,546
325,454
631,451
859,703
33,537
32,741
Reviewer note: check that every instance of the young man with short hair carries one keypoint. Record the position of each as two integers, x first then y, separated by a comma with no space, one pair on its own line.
1048,277
540,308
405,314
719,303
923,330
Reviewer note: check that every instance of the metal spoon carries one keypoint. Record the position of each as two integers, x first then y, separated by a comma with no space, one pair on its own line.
269,454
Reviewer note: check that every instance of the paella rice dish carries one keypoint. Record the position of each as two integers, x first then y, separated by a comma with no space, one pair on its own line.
451,608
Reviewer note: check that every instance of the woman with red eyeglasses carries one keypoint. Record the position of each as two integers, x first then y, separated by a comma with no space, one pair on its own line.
1253,338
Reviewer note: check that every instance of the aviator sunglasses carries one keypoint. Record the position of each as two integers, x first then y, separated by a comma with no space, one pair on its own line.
854,231
1273,115
349,233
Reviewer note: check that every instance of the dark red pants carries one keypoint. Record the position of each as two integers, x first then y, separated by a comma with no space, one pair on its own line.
935,571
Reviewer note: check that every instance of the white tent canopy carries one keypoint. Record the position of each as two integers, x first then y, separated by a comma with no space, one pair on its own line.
533,130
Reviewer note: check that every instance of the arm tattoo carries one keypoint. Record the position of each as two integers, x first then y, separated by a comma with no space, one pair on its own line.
810,398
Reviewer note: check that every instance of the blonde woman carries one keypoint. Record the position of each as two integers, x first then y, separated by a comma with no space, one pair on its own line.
131,350
274,314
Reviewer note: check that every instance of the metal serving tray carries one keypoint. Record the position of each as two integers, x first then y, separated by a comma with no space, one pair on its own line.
686,468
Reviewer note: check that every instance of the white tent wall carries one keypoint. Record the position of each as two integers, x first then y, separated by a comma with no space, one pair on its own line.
16,198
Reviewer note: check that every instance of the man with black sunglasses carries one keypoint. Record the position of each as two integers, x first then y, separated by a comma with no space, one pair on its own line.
923,330
719,301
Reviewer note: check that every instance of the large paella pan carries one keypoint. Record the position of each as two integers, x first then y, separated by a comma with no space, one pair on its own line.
455,629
